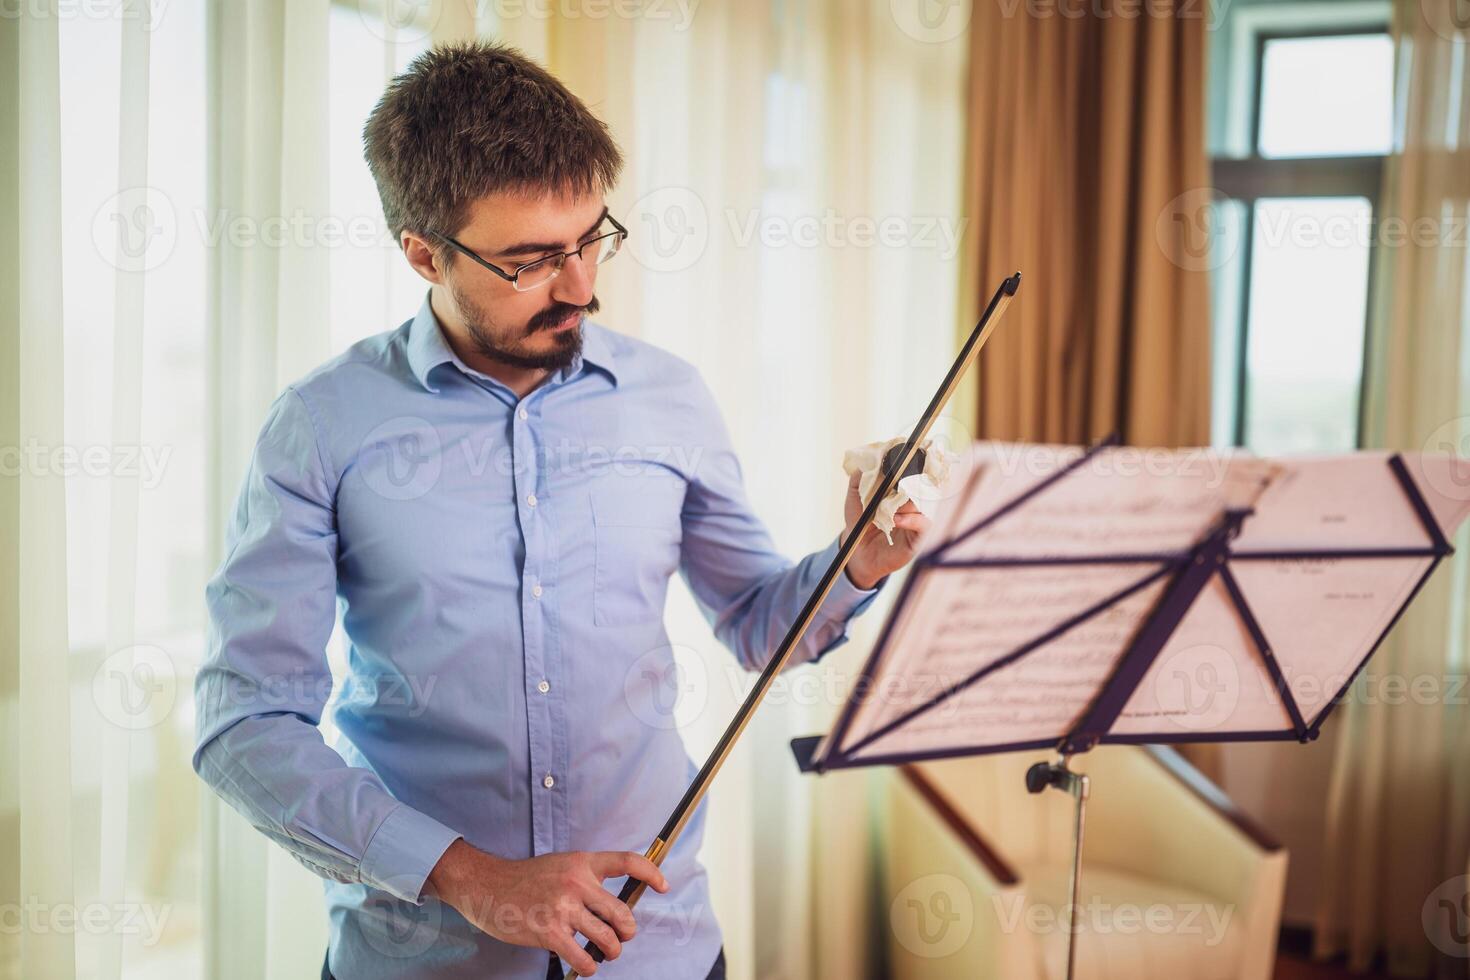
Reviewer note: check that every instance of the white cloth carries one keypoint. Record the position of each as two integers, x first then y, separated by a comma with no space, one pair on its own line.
924,489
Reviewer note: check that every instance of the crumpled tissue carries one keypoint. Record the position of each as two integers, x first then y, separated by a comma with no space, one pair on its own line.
924,489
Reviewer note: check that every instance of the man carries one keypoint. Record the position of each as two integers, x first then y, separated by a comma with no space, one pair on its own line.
497,494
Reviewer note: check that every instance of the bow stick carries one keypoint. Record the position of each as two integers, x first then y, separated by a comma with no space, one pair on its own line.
896,465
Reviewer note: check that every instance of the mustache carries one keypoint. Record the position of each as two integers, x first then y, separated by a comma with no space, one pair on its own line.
556,313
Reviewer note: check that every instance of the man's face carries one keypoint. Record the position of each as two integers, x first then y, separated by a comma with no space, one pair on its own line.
535,328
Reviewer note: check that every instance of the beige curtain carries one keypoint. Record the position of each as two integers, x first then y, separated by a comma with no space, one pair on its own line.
268,324
1398,815
1086,136
35,781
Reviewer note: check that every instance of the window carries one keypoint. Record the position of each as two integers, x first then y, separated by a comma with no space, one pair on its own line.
1311,109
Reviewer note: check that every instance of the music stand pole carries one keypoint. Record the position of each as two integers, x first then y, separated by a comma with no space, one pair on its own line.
1059,776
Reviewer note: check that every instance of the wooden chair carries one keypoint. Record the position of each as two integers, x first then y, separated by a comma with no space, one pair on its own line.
1177,884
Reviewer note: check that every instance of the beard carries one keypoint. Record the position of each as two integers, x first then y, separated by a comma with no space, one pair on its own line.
510,346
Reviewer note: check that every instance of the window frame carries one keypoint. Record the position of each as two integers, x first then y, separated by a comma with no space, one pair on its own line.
1250,178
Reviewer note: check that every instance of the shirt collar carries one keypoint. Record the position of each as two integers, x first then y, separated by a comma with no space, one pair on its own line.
427,349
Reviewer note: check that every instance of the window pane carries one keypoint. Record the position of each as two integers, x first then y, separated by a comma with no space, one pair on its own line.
1308,303
1327,96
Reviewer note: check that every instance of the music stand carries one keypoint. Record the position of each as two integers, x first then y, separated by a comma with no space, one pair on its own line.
1122,709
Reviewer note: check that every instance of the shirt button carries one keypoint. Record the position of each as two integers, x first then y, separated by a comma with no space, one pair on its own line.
543,687
536,591
531,499
548,782
523,415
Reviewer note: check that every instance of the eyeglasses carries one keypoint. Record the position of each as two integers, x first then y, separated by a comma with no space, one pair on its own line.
538,273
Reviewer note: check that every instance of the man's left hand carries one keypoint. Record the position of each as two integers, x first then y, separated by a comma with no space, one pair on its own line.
874,558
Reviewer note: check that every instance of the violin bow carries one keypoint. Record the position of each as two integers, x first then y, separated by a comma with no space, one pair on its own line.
894,468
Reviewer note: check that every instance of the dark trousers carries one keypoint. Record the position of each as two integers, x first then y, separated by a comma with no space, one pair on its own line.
555,971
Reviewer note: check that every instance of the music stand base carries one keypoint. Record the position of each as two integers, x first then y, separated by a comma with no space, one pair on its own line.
1057,775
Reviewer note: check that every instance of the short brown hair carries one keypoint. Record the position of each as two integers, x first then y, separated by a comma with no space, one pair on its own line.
470,119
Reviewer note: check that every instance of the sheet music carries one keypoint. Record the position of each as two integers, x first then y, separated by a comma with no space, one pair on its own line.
1320,616
1119,501
1041,692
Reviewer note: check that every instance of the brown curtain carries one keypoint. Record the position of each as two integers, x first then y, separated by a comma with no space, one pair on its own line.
1086,170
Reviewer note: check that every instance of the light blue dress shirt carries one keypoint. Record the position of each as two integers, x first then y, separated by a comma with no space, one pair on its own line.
500,565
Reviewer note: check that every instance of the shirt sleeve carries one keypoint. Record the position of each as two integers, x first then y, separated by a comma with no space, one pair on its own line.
265,680
750,592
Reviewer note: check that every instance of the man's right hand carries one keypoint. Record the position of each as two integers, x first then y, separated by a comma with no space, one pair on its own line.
544,901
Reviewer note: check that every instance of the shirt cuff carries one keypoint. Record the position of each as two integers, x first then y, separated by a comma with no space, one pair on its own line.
844,600
404,849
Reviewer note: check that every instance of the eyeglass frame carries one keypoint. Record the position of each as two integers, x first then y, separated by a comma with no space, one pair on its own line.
513,277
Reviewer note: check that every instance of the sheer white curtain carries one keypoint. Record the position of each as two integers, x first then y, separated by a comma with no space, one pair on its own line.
1398,815
189,195
37,865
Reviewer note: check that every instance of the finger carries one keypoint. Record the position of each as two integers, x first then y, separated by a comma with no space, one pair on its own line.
915,522
573,955
611,910
908,508
599,932
610,864
853,481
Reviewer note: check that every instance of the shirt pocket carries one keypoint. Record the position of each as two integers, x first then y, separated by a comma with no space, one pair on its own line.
637,536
